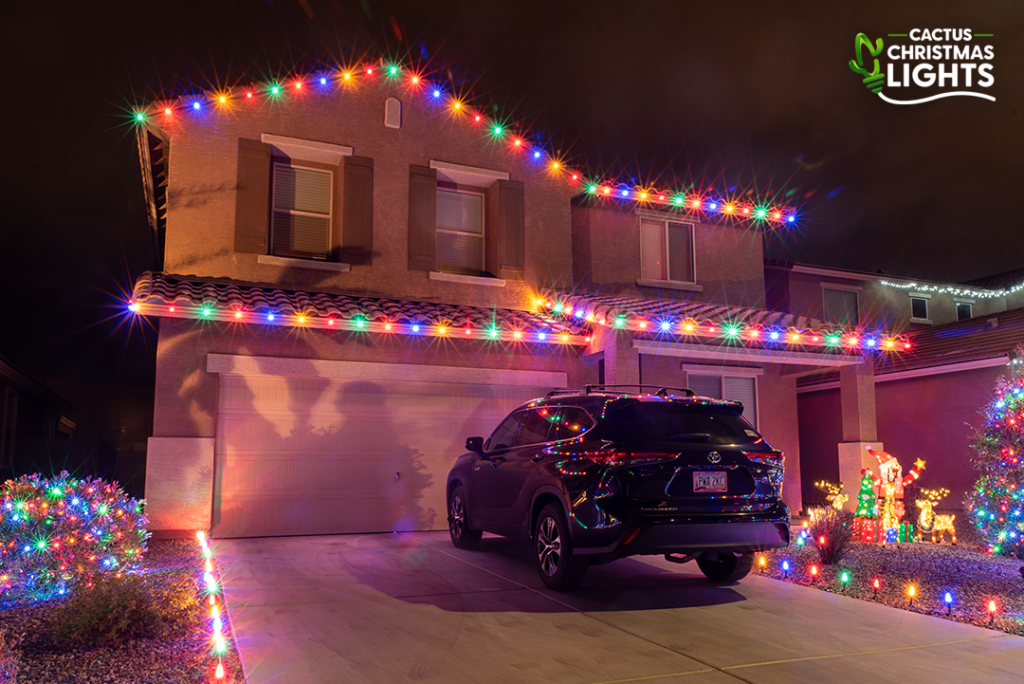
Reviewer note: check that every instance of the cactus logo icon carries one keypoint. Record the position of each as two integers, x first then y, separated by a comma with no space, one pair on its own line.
954,62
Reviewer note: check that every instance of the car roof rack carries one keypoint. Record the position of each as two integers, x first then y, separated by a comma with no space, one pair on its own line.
662,391
555,393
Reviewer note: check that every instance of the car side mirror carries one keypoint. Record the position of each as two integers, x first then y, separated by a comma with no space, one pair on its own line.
475,444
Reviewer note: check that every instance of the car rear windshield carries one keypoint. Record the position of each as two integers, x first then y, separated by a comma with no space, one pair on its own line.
684,424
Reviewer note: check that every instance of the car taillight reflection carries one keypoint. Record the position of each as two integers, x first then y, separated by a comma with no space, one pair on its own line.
769,458
623,458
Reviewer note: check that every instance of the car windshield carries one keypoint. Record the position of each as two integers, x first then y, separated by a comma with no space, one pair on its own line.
684,424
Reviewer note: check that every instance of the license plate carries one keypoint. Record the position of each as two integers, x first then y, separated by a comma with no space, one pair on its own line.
709,481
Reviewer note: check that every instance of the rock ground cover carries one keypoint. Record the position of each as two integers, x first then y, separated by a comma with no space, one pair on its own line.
182,658
971,575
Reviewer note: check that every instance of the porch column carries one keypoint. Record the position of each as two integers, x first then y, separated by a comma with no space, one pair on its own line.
621,361
860,430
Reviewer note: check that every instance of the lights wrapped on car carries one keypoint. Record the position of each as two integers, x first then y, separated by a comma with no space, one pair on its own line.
629,458
773,458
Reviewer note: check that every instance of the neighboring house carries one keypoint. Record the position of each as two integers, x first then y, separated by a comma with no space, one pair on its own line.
359,273
924,404
30,414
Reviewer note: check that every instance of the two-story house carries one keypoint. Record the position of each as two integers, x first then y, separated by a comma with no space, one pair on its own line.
361,270
923,404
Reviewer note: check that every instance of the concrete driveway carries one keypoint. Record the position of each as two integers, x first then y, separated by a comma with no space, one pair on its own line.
411,608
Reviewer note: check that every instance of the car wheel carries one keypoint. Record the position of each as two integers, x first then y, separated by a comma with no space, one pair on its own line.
724,567
559,568
463,537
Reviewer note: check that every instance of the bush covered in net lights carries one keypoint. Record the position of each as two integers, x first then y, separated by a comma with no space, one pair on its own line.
56,533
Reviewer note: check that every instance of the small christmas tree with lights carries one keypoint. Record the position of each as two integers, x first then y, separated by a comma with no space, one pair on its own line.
866,507
996,504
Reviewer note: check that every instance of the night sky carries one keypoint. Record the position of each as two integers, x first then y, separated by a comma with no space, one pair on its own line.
754,95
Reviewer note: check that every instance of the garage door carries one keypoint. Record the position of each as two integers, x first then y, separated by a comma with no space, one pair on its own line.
315,455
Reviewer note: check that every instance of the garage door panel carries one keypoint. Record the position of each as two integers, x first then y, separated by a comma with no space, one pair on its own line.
239,475
316,456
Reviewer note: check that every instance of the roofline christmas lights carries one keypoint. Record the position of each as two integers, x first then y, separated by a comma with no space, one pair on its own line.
491,333
955,290
690,327
705,203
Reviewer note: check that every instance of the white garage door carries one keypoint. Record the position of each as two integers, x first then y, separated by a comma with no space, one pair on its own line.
316,455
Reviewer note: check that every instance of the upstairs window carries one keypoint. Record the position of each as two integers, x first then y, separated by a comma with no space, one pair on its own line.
841,307
301,220
460,232
918,309
963,311
666,251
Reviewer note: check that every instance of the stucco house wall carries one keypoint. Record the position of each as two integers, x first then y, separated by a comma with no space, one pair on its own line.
203,173
931,418
882,305
728,259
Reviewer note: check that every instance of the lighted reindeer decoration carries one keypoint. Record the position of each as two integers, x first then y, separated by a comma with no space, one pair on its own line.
835,493
927,521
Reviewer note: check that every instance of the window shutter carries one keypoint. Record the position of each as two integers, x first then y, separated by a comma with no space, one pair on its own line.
354,241
252,197
743,390
422,217
511,230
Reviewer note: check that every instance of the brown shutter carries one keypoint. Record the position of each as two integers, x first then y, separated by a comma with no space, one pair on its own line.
353,239
422,218
511,230
252,197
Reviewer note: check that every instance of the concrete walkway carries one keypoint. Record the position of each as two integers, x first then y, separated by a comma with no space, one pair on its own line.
410,607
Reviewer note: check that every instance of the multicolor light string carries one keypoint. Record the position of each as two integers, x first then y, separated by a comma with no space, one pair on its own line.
845,578
729,333
213,600
239,316
706,204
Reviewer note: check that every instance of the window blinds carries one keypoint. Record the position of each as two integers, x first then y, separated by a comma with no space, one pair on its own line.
302,212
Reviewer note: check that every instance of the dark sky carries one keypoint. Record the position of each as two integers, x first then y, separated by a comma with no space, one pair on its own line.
751,94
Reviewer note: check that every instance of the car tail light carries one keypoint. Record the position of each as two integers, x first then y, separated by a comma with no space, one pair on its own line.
622,458
769,458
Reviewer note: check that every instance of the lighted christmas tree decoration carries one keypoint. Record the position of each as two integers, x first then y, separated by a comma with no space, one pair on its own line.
995,503
929,522
60,532
866,506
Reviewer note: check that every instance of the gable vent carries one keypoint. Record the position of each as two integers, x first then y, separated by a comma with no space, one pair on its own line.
393,113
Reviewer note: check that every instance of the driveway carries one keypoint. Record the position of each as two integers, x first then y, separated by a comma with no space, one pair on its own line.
389,608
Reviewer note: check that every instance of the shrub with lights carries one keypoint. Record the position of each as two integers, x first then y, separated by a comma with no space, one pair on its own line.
56,533
996,504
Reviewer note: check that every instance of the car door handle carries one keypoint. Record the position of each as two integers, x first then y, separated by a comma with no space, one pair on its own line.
497,460
537,458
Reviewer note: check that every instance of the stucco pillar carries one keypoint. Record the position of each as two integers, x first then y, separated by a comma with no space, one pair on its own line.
860,429
621,361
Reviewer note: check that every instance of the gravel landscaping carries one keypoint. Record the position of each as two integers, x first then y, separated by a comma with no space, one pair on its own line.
180,658
972,576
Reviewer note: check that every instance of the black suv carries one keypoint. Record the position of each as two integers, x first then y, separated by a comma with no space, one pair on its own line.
602,473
